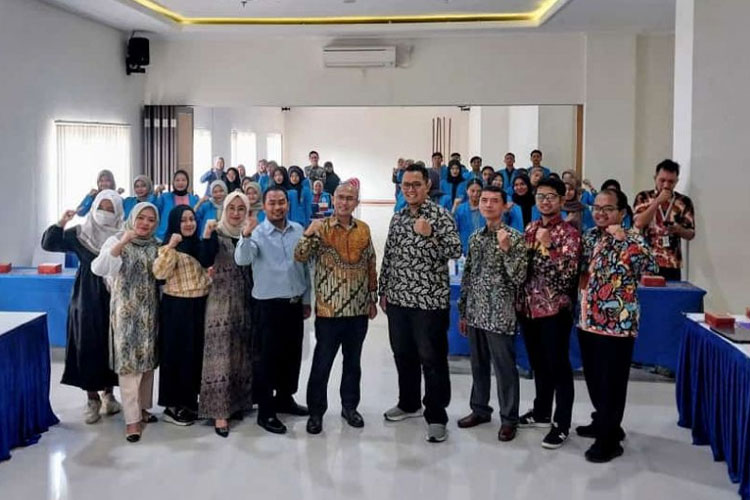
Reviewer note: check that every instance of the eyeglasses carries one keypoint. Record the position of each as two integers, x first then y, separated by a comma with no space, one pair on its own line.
547,197
407,186
606,209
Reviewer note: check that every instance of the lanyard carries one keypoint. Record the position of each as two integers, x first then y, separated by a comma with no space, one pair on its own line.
665,214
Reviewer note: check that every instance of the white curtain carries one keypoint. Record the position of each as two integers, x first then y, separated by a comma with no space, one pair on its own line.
202,160
83,149
244,150
273,148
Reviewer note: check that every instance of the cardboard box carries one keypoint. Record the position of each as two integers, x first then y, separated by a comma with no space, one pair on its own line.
719,320
657,281
49,268
5,267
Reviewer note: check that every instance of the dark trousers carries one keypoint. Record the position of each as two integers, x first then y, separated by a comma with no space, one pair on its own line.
499,350
606,367
419,341
671,273
547,342
330,333
280,332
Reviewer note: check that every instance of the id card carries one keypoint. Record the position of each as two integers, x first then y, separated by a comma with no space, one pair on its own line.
665,241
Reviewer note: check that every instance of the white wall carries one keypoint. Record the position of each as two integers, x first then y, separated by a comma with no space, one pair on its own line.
495,133
557,137
365,142
523,136
55,66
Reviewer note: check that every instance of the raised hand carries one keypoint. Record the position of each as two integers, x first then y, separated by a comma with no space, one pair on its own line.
543,236
120,190
128,236
617,232
664,196
210,227
159,189
422,226
503,240
250,224
93,192
174,240
456,204
314,228
66,217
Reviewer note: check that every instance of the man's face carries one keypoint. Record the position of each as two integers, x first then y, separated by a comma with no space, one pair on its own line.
276,206
475,164
219,164
314,159
666,180
605,211
548,201
509,160
437,161
262,166
536,159
536,176
491,205
345,200
415,188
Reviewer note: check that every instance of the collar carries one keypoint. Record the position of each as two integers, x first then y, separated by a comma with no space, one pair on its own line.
486,228
270,228
333,222
557,219
420,211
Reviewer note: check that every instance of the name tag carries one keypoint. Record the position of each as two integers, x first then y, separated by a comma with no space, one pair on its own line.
665,241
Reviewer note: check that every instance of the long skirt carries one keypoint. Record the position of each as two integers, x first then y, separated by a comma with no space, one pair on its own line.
181,324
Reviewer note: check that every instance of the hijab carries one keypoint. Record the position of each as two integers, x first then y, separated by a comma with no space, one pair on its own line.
99,224
573,205
297,187
219,206
258,206
455,181
149,185
185,191
236,184
224,227
285,183
130,224
526,202
106,173
190,244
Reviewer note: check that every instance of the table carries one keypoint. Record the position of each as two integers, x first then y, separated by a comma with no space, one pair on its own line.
658,339
24,290
25,411
713,396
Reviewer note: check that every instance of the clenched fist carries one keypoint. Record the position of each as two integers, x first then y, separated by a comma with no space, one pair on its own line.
66,217
543,236
174,240
209,228
128,236
422,226
503,240
617,232
314,228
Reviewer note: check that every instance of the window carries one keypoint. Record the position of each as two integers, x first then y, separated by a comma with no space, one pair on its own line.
202,161
244,150
83,149
273,148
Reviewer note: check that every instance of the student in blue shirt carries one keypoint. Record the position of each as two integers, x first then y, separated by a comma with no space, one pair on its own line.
254,195
475,169
300,197
522,210
467,216
210,208
488,173
509,173
180,195
104,180
216,173
454,186
536,161
143,189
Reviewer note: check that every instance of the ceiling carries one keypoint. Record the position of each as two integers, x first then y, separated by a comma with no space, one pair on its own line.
230,19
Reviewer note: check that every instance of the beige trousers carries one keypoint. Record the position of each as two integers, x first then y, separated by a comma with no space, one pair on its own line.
136,392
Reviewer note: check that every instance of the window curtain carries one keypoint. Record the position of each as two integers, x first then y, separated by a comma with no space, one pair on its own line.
160,143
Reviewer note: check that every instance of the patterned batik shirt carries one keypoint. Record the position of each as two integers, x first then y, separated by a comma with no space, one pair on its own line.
414,271
491,281
553,272
677,211
345,276
611,271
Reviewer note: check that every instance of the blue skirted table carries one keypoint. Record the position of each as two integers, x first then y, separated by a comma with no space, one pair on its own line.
713,396
25,410
659,335
24,290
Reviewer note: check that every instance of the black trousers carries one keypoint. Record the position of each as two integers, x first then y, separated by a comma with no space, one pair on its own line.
330,334
181,336
671,273
419,341
606,367
280,332
548,343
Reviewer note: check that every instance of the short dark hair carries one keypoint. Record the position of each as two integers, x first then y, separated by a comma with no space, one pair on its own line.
416,167
622,198
536,151
437,153
454,162
455,154
613,184
328,164
554,175
669,166
313,152
553,183
496,189
274,188
488,167
511,154
475,158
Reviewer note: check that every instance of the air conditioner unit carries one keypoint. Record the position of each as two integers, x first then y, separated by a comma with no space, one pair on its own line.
359,57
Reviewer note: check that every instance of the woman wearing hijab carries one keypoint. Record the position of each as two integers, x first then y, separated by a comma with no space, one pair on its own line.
180,195
226,381
467,216
143,189
254,194
182,263
104,180
209,208
127,260
233,180
454,186
523,209
87,345
300,197
575,212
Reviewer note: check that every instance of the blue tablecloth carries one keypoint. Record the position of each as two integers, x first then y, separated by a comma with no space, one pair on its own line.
713,398
24,290
25,411
658,338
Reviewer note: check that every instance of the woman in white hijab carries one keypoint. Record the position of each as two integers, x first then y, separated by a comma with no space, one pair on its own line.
87,346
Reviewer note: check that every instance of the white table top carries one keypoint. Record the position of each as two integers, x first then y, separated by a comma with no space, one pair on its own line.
700,319
12,320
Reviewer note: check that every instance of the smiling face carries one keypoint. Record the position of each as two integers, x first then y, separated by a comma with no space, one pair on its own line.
104,182
314,159
491,205
294,178
187,223
487,175
252,194
276,206
345,199
475,164
536,159
415,188
218,194
548,201
520,187
536,175
231,175
455,170
473,193
278,177
140,188
236,212
318,187
145,223
509,160
180,182
605,210
570,192
497,181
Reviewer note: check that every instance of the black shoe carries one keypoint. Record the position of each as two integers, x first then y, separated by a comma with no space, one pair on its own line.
589,431
292,408
272,424
238,415
133,438
179,417
222,431
528,420
314,424
555,438
353,418
600,453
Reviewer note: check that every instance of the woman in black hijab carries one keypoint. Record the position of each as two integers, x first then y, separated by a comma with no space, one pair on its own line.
523,197
233,180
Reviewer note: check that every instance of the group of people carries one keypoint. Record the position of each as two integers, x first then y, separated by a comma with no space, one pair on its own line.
218,298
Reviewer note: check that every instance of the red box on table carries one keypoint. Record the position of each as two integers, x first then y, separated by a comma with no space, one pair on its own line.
5,267
657,281
49,268
719,320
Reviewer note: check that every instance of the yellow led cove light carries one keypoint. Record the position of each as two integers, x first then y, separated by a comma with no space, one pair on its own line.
534,16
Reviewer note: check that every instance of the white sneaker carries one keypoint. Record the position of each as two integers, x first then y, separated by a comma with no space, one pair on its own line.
110,404
436,433
91,414
396,414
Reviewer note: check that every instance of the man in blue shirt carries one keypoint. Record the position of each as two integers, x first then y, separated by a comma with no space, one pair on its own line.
215,174
282,292
509,173
536,161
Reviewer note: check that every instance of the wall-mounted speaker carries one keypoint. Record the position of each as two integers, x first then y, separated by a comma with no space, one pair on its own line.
137,55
